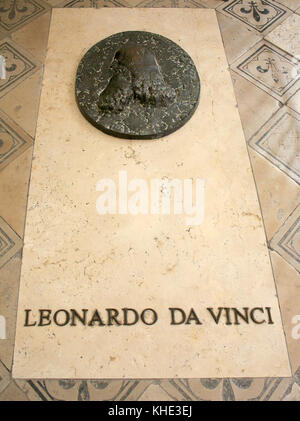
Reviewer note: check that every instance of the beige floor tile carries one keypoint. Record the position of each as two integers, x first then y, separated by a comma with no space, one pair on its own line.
9,287
53,3
76,3
286,241
287,280
31,391
278,141
4,377
17,13
12,393
165,3
249,389
34,36
21,104
3,35
14,141
136,390
278,194
281,388
155,393
294,102
168,3
257,16
20,64
294,394
287,35
113,3
237,37
291,4
204,389
255,106
176,389
271,69
10,242
242,389
14,181
127,3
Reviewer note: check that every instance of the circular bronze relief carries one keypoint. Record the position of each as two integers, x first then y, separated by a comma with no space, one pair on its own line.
137,85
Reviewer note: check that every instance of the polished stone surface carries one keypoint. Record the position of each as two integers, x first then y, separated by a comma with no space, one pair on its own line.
75,258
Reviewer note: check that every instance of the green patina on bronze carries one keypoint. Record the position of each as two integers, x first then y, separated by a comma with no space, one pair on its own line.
137,85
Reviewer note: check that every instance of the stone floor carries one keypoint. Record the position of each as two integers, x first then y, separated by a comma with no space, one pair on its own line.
262,43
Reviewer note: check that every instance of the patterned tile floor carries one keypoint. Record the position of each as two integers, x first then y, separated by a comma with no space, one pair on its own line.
261,40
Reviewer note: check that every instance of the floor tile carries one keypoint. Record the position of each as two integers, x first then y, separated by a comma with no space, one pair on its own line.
12,393
280,389
272,389
245,389
261,16
30,390
53,3
271,69
4,377
287,240
19,65
155,393
287,35
255,106
76,3
166,3
294,102
137,389
294,394
291,4
26,37
112,3
14,141
14,181
10,242
127,3
83,390
9,288
114,390
211,4
237,38
278,141
16,13
287,281
22,103
278,194
174,390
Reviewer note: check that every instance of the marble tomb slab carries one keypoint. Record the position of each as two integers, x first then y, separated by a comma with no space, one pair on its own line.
144,295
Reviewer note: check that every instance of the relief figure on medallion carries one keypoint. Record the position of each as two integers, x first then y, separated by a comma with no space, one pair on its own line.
137,85
136,76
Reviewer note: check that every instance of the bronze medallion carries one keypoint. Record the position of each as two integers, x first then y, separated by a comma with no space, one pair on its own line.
137,85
